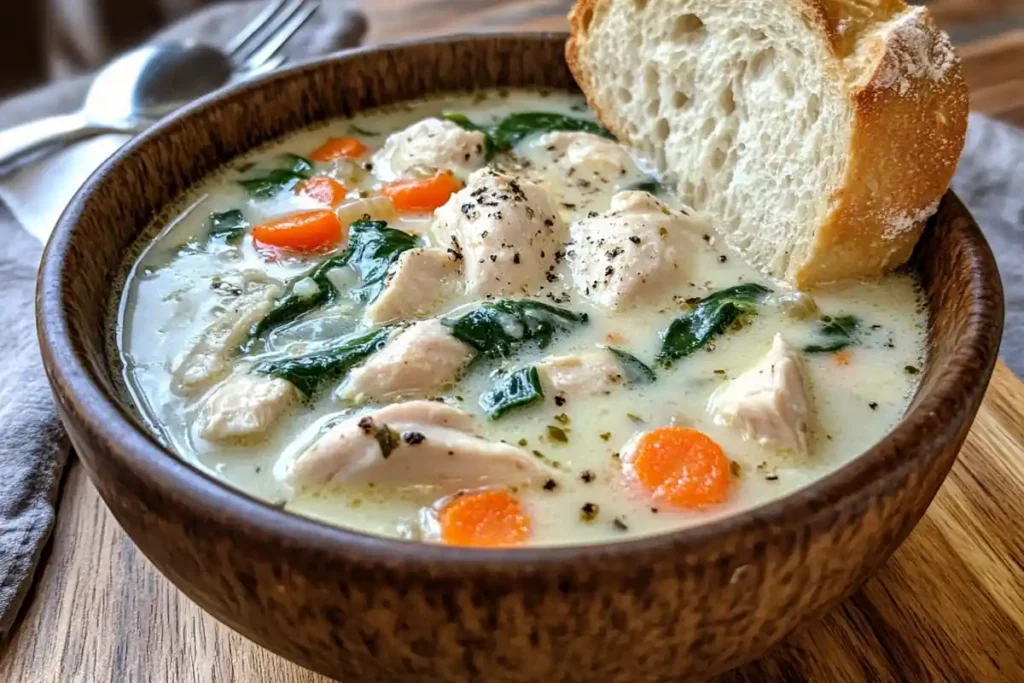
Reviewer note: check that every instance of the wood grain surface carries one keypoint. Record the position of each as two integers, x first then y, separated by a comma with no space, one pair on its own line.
949,606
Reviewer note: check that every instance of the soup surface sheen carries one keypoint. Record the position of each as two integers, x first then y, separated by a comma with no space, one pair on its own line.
185,321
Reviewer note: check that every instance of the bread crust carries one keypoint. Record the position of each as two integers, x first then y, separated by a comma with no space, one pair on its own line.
910,105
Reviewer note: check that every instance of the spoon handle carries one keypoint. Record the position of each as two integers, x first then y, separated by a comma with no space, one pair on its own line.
21,142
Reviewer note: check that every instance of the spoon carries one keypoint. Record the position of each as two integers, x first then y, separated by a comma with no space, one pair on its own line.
132,92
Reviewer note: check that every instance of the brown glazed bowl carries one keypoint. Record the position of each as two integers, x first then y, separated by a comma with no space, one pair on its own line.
677,606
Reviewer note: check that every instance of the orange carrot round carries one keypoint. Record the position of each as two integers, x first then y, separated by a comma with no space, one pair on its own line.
682,466
488,519
420,195
303,231
327,191
339,148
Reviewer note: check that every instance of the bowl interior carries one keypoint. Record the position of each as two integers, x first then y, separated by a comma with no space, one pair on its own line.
86,255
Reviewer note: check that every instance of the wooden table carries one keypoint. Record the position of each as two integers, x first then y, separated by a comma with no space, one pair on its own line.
949,605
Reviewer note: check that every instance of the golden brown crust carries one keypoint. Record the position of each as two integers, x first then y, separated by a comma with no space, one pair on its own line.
909,123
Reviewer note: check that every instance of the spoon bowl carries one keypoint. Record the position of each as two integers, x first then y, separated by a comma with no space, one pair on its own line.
130,93
154,80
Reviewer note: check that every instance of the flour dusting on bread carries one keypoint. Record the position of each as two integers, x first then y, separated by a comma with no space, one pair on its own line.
817,135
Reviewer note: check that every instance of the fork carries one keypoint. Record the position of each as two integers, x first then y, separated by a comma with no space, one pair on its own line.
253,50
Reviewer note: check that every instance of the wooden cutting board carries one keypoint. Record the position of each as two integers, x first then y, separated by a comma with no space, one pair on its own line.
948,606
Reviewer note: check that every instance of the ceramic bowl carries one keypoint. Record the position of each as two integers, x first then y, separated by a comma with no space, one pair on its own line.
671,607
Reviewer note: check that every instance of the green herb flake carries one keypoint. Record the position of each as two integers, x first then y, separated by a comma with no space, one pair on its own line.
388,439
911,369
362,131
562,418
589,512
605,436
550,485
735,469
523,442
620,524
557,434
515,390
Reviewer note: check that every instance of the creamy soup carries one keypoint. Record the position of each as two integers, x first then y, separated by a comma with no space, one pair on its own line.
479,320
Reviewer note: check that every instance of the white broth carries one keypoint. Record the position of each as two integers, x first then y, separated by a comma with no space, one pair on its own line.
854,349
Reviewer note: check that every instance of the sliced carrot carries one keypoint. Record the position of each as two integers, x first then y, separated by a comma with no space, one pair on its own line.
325,190
484,519
682,466
843,357
339,148
303,231
421,194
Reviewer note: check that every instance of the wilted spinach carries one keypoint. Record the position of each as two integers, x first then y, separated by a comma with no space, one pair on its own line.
309,372
506,134
634,369
372,248
229,226
499,328
709,317
276,180
836,333
514,390
652,186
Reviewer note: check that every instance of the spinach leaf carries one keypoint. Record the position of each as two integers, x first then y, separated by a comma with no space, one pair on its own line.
510,130
362,131
837,333
634,369
277,180
311,371
507,133
498,328
652,186
372,248
228,225
711,316
514,390
299,164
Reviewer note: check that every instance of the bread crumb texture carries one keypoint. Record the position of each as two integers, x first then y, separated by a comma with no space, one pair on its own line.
818,135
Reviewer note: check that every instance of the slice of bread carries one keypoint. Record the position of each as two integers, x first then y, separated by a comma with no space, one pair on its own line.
818,135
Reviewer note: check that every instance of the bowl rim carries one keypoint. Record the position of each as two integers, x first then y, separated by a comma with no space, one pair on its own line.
932,421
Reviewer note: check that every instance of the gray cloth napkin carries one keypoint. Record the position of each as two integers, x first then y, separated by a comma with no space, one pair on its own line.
990,181
33,449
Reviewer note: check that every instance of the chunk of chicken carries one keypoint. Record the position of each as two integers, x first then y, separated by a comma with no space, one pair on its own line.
417,283
413,443
768,403
507,231
430,144
209,358
583,157
636,252
421,358
245,405
585,374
